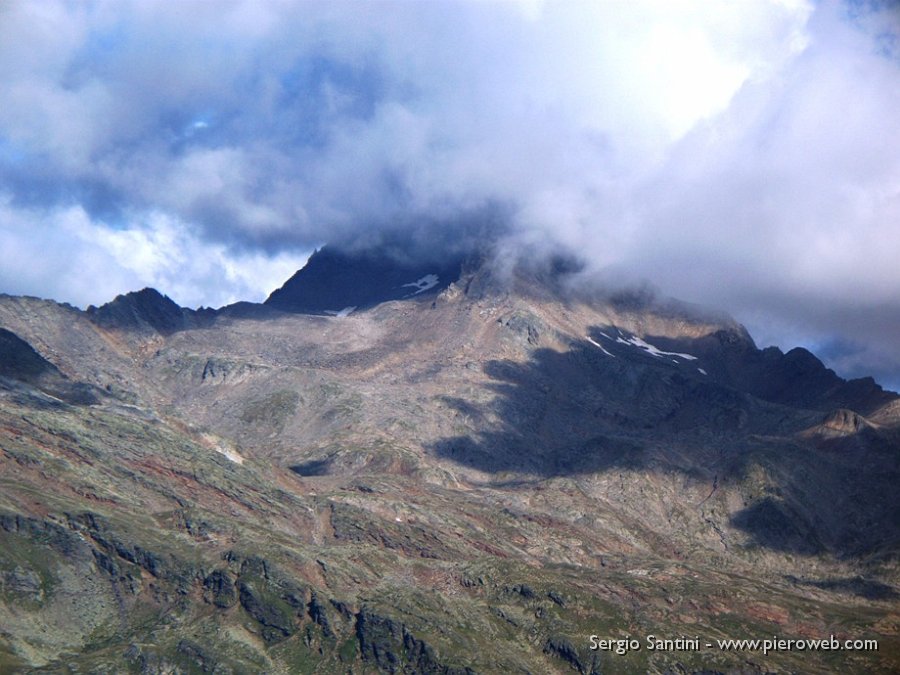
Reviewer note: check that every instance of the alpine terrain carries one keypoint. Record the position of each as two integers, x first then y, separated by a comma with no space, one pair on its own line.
458,467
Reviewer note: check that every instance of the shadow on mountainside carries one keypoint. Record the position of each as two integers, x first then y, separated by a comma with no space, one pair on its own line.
21,363
591,410
864,588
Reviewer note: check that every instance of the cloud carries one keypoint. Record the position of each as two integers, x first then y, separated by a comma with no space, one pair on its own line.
741,154
63,254
268,124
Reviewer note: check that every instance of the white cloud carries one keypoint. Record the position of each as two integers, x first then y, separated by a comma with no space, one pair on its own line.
74,259
162,253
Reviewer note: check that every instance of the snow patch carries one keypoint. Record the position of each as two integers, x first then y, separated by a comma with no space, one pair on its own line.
423,284
212,441
702,371
597,344
340,313
653,351
230,454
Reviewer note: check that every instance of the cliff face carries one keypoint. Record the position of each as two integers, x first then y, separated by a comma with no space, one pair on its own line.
471,478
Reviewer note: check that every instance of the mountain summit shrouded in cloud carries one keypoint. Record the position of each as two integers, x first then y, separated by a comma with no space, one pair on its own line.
745,155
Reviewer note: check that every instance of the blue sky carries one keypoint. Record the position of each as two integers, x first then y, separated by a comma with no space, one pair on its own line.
745,155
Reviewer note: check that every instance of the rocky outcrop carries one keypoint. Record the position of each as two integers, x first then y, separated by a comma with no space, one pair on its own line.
220,588
525,326
843,422
563,649
52,534
388,645
275,616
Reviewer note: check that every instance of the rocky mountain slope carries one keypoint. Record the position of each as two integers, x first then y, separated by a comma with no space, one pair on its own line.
372,472
336,283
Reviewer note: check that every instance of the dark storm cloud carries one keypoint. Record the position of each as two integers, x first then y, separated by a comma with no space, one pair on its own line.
741,154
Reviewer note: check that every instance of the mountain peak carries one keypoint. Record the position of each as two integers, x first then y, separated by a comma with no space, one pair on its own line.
336,282
143,310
